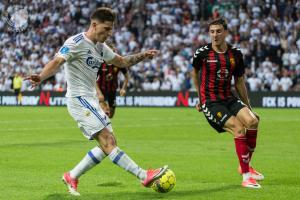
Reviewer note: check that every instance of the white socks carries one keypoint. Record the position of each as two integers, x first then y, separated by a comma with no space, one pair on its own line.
117,156
120,158
92,158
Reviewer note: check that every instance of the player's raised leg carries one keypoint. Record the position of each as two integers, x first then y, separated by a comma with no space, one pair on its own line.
108,143
250,121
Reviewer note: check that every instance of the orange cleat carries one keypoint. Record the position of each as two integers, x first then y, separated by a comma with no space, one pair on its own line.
254,174
154,174
71,183
250,183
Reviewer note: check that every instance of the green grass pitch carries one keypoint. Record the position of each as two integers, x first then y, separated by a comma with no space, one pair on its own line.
39,143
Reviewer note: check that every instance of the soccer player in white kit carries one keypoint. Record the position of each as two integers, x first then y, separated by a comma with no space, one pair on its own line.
83,55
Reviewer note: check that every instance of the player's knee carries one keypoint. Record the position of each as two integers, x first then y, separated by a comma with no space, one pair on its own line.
252,122
107,141
110,144
239,131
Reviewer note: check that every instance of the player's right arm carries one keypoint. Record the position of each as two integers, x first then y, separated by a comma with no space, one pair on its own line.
49,70
66,52
197,63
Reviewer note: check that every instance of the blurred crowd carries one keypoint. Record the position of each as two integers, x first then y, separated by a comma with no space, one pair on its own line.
267,32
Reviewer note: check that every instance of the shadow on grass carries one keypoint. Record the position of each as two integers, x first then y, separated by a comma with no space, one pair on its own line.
184,194
111,184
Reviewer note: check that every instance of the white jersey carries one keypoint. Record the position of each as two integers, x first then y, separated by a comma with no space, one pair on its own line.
83,60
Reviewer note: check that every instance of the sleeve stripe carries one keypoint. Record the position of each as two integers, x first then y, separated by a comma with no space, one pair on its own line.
78,38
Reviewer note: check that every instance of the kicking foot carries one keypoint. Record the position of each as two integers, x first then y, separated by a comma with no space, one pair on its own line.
154,174
71,184
250,183
254,174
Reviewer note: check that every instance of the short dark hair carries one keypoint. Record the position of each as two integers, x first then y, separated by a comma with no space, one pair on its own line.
103,14
219,21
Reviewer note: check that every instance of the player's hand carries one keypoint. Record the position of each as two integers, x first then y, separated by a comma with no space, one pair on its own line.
34,79
101,98
122,93
104,106
150,53
198,107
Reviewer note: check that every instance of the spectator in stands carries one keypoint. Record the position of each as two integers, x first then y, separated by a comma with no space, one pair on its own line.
285,81
254,83
260,30
48,86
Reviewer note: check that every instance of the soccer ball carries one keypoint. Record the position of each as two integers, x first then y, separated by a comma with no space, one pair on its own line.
165,183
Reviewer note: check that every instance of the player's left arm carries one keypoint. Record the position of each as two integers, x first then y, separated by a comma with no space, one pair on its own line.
241,89
125,84
128,61
239,74
49,70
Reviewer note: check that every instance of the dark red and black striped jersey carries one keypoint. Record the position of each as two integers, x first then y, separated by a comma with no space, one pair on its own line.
107,78
216,71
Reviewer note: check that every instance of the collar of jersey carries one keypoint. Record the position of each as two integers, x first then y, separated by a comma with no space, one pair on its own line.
87,39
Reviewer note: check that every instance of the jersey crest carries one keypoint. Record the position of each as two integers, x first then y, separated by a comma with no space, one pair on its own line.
93,62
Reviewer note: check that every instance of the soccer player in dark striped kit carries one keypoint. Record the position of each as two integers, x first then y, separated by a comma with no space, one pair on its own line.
108,83
214,65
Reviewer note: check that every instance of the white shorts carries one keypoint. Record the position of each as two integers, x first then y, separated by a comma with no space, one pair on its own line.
87,113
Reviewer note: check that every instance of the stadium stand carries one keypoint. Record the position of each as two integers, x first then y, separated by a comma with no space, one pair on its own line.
268,33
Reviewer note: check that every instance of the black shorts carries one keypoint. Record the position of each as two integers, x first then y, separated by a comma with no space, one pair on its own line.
17,91
111,99
217,113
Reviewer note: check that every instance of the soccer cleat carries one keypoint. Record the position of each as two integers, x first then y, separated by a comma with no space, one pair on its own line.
250,183
254,174
154,174
71,183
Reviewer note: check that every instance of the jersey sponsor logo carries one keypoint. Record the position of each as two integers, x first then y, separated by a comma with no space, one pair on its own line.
222,75
93,62
211,61
64,50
